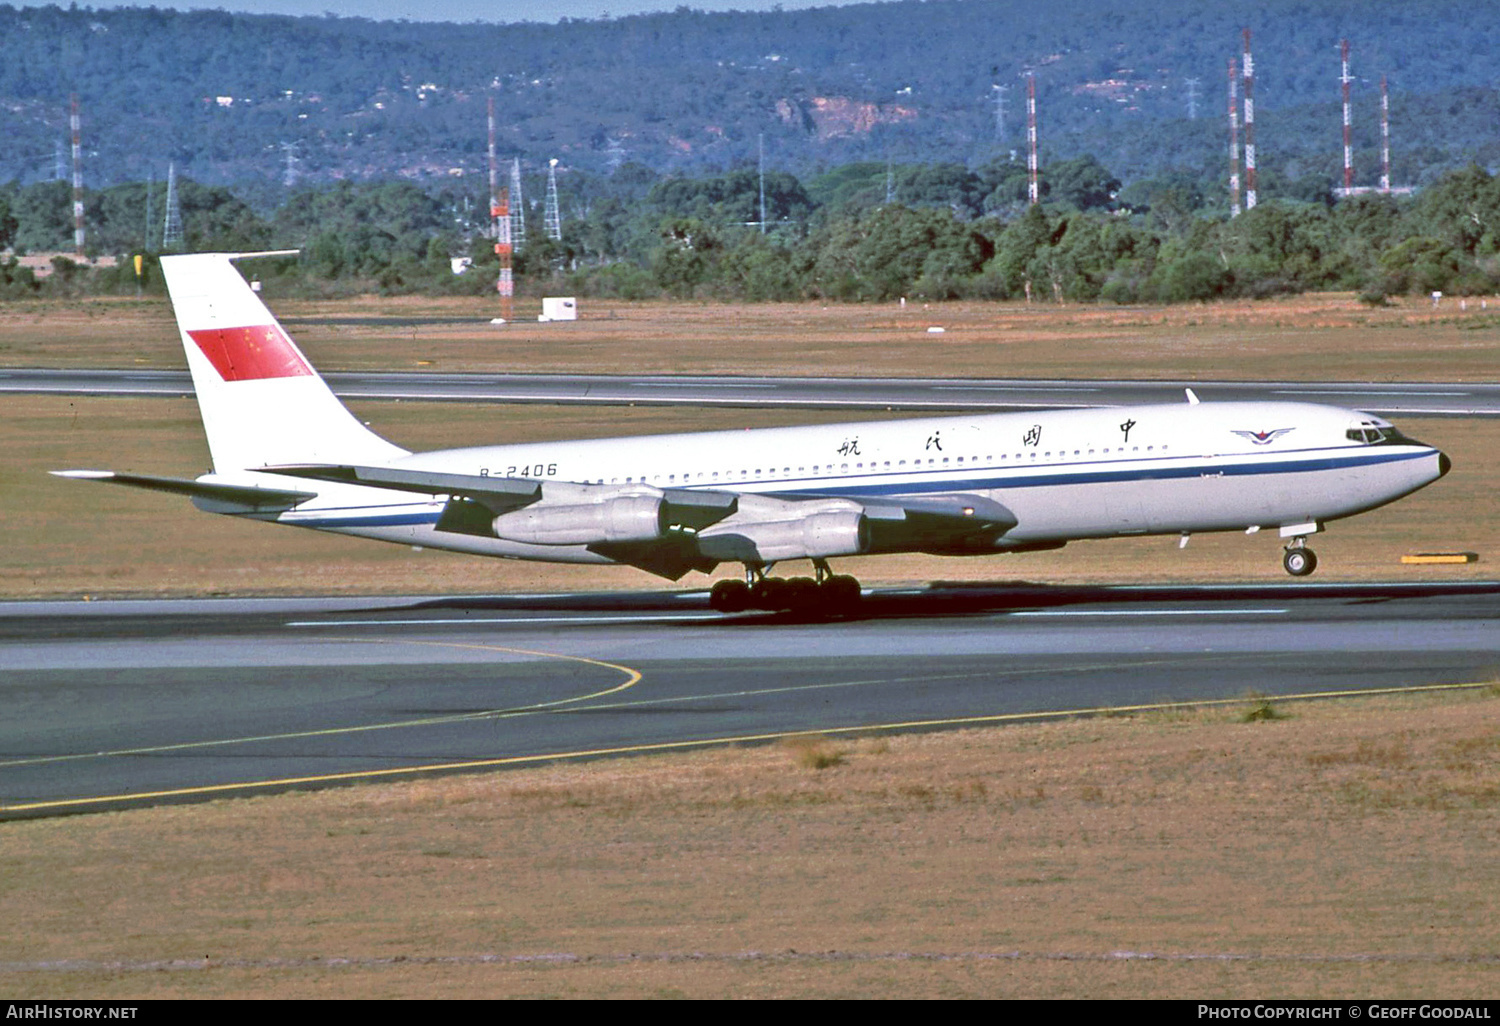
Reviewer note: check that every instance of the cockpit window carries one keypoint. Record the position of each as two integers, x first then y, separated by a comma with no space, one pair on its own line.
1377,434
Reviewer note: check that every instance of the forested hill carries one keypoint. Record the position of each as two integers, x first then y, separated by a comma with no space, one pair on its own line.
247,98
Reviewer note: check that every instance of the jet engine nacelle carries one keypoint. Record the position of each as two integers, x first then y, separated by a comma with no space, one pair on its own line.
625,518
814,536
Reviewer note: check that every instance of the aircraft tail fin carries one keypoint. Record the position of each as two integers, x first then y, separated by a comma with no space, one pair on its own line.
261,401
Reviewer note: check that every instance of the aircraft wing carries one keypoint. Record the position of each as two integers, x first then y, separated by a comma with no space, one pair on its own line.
658,529
474,501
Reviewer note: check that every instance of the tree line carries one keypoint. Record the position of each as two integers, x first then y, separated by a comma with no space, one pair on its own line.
859,233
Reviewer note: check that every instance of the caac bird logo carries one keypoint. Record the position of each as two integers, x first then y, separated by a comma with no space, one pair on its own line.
1264,437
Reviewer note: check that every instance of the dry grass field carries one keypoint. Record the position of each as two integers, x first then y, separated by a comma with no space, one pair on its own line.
1320,337
1343,849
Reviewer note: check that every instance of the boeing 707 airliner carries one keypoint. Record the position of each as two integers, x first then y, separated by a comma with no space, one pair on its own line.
286,450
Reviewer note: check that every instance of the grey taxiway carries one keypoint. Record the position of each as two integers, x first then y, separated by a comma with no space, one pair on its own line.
931,395
115,703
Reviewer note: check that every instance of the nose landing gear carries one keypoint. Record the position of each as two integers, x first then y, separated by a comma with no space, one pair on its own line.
1298,559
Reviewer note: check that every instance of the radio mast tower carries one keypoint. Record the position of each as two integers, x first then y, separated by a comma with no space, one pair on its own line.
1192,97
500,215
999,91
552,218
1348,146
1249,126
1385,138
760,172
1234,139
171,233
1034,185
517,206
76,124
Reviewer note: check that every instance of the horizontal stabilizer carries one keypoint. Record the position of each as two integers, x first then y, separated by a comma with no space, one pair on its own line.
499,493
239,496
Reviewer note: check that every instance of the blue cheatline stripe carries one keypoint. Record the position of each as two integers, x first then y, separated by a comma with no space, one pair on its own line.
1014,478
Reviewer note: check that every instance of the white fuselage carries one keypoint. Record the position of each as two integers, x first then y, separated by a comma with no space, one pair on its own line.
1064,475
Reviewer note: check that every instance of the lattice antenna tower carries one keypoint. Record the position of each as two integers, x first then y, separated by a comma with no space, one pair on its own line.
75,122
761,172
59,162
552,218
999,92
1234,139
1033,168
890,181
289,173
1192,98
150,188
1249,126
500,215
171,233
1344,79
517,206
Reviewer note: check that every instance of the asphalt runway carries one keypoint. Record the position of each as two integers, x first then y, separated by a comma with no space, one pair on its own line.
934,395
116,703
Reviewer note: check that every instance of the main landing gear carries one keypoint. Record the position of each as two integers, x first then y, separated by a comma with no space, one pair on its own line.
826,592
1298,559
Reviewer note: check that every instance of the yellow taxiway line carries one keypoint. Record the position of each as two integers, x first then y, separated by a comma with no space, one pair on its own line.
668,746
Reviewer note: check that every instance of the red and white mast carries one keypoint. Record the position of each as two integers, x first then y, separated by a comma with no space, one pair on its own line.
1234,138
1385,138
500,215
1034,188
1249,125
75,122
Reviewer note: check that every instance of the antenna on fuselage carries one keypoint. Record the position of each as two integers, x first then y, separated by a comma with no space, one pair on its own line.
1192,397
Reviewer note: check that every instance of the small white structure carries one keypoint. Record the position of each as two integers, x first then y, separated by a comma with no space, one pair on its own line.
559,308
460,264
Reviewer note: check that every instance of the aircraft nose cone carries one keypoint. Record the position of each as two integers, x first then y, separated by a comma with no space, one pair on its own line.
1444,464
